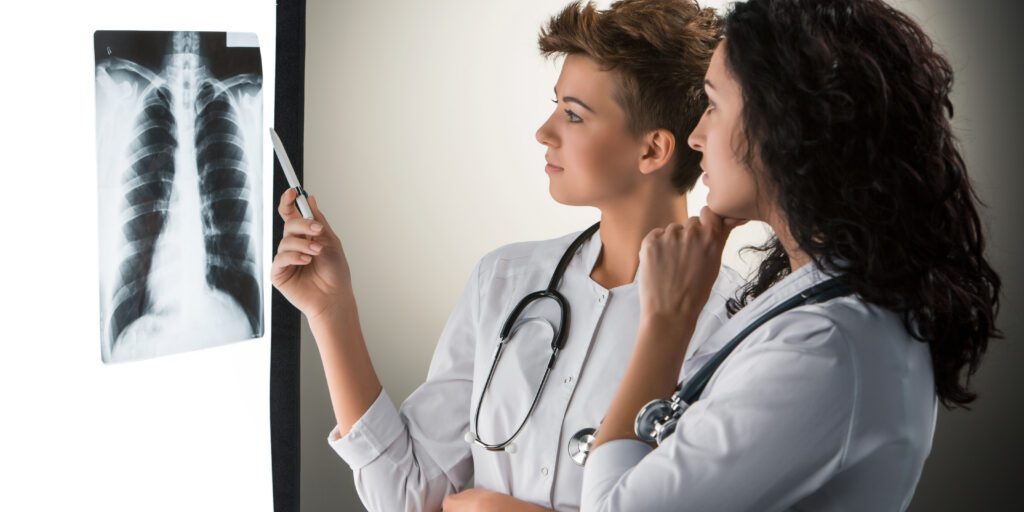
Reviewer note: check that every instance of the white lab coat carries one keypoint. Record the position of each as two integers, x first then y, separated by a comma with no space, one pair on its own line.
828,407
410,459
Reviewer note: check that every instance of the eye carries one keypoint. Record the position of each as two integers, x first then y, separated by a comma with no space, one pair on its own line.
573,118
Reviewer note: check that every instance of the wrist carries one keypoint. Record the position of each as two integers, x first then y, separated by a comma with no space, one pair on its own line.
681,308
336,314
667,334
669,321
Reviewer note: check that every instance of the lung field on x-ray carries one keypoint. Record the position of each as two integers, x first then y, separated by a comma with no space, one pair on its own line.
179,119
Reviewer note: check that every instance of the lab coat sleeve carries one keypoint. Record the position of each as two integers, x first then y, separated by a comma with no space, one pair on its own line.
410,459
774,428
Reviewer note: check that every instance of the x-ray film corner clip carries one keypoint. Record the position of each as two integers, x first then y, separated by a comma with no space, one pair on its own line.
289,174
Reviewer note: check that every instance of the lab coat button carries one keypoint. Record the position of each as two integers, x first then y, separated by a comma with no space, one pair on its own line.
544,471
568,380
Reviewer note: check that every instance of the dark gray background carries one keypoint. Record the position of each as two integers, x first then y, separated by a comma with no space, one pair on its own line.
977,460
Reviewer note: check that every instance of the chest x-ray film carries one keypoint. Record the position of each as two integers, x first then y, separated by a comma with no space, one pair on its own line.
178,139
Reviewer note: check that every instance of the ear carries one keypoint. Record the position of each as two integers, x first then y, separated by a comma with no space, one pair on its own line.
657,150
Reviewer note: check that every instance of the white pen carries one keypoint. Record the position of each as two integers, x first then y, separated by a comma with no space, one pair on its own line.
289,174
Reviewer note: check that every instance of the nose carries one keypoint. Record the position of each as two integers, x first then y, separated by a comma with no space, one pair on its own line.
545,135
696,138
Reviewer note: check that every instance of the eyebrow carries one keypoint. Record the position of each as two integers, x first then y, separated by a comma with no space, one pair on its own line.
708,84
571,99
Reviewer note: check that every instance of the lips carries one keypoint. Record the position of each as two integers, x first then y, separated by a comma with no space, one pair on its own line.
550,168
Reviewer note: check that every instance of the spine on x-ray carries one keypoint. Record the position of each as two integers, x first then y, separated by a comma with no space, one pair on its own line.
148,181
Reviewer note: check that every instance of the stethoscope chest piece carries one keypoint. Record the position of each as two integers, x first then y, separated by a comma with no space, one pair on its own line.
580,443
658,419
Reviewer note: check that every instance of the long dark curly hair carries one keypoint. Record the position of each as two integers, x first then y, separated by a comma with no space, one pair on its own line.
846,119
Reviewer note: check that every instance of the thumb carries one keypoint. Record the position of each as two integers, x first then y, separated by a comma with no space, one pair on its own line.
640,271
319,215
729,223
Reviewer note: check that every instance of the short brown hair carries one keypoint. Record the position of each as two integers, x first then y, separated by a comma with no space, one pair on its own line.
660,49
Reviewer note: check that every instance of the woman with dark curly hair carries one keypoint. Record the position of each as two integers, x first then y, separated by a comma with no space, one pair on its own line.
828,120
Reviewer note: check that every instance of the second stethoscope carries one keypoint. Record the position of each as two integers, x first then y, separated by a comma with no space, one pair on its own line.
658,419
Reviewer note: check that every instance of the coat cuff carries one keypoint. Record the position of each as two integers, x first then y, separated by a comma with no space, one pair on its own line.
371,434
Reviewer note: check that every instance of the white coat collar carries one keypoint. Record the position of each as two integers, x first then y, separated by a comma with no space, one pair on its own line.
802,278
589,251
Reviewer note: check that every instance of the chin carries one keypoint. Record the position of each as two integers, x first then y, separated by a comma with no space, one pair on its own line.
719,209
561,197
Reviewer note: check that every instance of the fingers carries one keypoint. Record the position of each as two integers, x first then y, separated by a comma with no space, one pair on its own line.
289,211
317,215
286,208
730,223
725,224
298,226
711,220
283,260
301,245
649,239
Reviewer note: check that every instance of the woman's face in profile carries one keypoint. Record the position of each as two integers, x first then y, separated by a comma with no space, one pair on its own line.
592,157
732,191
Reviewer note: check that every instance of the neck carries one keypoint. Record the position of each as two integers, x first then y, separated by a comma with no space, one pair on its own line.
624,226
797,257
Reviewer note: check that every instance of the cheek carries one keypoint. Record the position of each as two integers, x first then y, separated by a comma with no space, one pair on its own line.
733,193
598,166
731,187
600,156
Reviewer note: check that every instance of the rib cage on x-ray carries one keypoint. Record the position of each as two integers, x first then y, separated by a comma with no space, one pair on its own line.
186,112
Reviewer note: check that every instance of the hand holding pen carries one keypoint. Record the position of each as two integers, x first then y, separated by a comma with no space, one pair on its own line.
309,268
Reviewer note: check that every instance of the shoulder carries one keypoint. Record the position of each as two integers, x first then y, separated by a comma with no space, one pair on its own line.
851,321
518,257
841,335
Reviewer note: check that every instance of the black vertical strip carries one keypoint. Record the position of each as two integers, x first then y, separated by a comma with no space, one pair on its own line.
284,334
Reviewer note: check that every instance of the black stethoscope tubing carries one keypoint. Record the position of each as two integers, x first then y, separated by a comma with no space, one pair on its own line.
557,341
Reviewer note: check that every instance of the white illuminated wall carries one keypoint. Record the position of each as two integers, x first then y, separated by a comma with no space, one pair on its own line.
189,431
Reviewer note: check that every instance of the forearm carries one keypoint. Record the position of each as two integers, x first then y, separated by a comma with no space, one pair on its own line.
482,499
651,373
526,506
351,380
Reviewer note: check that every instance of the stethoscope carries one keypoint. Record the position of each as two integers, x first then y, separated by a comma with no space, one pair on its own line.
557,341
658,418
